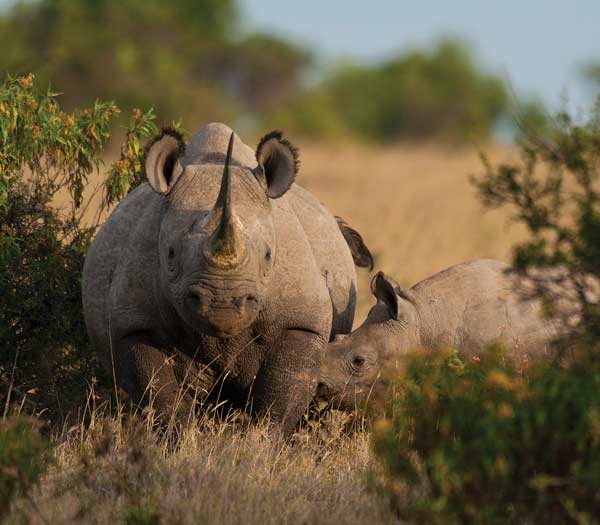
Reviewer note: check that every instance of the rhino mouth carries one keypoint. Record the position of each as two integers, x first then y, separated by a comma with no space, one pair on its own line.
220,316
348,398
333,397
223,327
323,392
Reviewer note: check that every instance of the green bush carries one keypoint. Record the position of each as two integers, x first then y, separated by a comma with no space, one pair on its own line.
23,459
555,193
145,514
482,443
46,159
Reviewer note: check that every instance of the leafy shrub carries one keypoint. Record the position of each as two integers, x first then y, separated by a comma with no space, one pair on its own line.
482,443
144,514
46,158
23,459
555,194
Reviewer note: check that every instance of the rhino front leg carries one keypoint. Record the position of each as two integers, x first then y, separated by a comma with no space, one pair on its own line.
287,379
146,373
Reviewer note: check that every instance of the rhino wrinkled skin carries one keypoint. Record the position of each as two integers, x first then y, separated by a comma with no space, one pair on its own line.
219,265
468,307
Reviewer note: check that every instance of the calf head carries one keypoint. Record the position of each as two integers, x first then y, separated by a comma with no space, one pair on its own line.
217,242
351,370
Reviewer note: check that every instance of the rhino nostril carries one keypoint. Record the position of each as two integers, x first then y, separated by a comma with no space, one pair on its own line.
246,300
196,298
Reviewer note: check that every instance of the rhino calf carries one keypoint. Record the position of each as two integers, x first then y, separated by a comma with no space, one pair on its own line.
468,306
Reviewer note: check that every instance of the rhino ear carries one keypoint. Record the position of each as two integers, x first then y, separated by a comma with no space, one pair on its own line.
162,160
388,292
277,162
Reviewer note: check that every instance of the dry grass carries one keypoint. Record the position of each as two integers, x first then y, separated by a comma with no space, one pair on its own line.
116,470
413,204
417,211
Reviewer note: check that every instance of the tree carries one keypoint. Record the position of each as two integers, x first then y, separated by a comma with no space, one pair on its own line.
46,153
186,58
555,193
439,93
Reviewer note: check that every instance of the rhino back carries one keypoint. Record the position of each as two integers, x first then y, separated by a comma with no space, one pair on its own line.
333,263
474,304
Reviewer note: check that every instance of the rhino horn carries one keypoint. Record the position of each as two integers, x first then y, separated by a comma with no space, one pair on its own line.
225,247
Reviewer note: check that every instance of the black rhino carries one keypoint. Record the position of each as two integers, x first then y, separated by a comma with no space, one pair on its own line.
221,265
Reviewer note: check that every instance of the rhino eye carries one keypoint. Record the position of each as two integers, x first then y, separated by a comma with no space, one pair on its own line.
268,254
358,360
197,223
171,263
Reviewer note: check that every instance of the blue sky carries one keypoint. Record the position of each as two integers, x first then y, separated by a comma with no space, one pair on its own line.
539,46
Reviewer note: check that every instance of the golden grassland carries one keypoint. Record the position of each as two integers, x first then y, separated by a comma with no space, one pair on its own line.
413,204
417,211
117,470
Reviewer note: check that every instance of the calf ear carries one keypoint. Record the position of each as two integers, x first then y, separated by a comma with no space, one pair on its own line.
162,160
277,163
388,292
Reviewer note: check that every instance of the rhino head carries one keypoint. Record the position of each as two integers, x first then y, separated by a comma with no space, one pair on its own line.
217,242
351,370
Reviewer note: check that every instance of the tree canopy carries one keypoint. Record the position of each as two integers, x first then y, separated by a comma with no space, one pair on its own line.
197,61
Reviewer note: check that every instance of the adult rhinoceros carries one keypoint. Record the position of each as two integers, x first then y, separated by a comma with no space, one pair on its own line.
220,265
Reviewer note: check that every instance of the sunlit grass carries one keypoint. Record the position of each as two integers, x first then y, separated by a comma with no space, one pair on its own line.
113,467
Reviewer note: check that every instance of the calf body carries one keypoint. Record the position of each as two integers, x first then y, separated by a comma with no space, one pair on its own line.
468,307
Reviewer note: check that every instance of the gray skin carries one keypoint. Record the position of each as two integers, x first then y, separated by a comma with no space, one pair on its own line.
219,265
468,307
